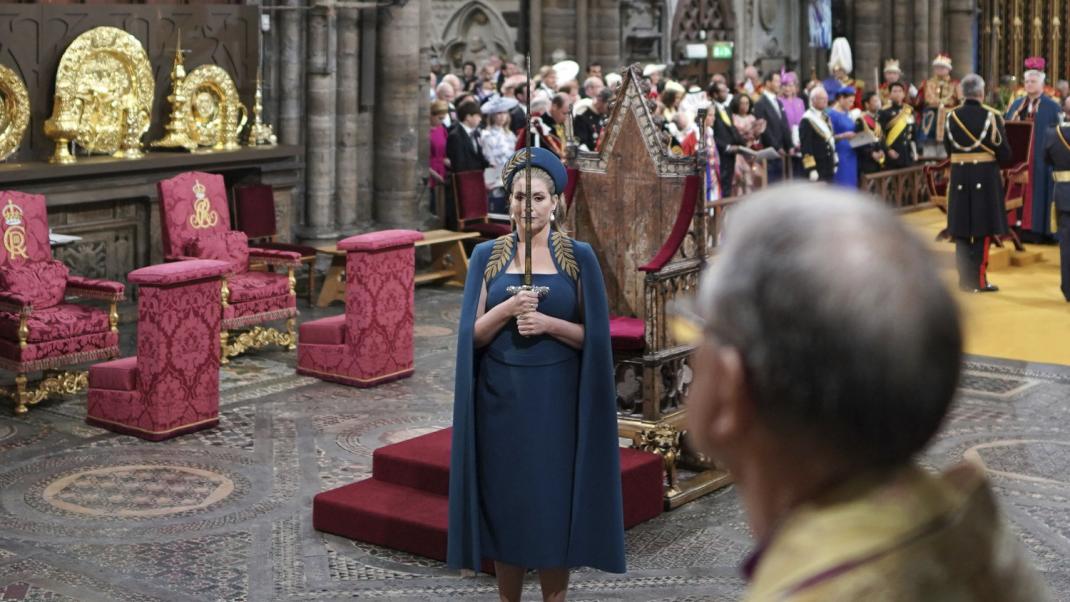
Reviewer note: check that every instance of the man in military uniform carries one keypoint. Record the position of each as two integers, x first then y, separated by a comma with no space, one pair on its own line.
590,123
1058,156
897,123
976,143
816,141
937,96
892,74
871,157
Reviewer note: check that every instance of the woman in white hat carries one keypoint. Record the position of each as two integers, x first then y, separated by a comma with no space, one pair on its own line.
499,143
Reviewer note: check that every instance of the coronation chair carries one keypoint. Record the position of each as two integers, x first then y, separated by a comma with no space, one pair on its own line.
195,223
39,331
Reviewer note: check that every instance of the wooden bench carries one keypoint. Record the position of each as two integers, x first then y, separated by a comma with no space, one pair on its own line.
449,263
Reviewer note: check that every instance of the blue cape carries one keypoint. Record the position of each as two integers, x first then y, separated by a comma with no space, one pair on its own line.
1040,177
596,537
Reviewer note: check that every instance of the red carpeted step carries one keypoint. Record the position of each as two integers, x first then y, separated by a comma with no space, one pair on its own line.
421,462
405,506
385,514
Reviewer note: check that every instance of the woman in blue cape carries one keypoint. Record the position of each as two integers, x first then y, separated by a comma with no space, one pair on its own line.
535,465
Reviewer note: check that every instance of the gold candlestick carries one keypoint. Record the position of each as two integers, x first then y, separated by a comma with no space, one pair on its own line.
260,133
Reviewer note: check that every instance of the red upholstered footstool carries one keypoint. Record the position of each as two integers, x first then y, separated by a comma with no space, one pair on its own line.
172,385
372,342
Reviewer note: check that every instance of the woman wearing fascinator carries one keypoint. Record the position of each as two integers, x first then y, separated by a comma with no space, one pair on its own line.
534,468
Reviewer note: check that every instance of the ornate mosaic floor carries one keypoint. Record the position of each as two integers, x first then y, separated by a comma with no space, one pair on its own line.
226,514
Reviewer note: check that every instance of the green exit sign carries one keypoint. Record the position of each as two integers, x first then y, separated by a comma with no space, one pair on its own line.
722,50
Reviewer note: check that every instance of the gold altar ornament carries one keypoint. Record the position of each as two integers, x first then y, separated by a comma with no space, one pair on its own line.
104,94
216,114
177,127
14,111
260,133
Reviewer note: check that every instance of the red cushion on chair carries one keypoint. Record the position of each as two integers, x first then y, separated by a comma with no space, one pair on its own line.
118,375
42,282
63,321
627,334
325,331
255,210
231,246
252,286
488,229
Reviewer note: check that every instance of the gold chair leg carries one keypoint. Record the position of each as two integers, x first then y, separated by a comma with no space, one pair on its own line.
291,331
224,338
21,396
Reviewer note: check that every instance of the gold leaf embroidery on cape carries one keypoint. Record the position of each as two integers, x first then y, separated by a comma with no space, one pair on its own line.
564,255
500,255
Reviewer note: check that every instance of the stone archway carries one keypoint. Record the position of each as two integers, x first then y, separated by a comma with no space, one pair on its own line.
473,33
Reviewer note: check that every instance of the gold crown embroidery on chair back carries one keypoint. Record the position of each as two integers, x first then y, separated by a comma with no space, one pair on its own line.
14,232
203,214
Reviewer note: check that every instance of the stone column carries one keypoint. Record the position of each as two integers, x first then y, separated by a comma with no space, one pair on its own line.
936,29
903,41
961,45
291,83
322,90
366,121
348,108
401,99
291,58
583,24
920,32
868,31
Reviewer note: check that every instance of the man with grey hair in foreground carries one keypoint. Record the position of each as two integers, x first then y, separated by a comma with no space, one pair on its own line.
827,358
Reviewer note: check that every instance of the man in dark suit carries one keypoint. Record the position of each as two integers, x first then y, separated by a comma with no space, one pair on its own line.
777,133
976,142
1057,152
463,149
725,135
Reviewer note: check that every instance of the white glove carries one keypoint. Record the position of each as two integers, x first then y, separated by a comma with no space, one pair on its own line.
813,176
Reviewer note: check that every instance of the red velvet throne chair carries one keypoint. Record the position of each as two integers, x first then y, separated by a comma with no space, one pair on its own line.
172,385
371,343
39,331
195,224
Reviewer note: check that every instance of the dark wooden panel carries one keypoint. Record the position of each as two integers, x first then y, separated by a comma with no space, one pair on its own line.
34,36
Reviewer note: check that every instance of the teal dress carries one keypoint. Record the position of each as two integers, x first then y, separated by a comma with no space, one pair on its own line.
526,393
534,462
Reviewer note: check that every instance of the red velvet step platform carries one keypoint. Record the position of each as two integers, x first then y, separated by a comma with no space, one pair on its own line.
404,505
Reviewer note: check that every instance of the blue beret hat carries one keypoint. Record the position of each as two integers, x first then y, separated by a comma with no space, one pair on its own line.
541,159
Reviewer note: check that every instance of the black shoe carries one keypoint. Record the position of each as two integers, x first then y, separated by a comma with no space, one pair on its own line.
991,288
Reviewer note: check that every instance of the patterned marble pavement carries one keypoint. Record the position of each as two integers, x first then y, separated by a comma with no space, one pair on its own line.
226,514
